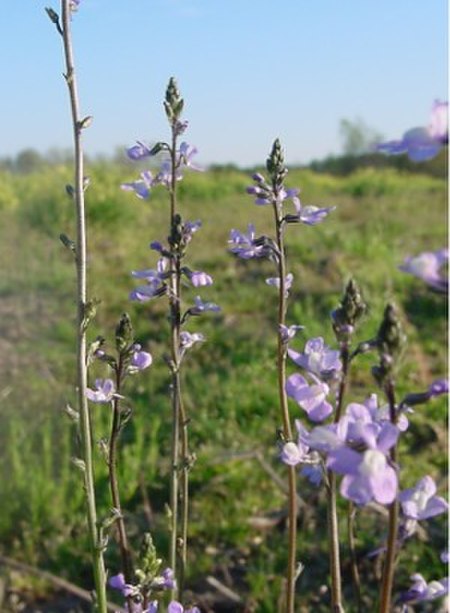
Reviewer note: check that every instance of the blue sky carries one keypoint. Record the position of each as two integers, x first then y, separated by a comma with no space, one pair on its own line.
249,70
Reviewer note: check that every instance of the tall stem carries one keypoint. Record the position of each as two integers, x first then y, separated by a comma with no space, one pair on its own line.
85,425
113,481
175,320
287,430
389,564
333,524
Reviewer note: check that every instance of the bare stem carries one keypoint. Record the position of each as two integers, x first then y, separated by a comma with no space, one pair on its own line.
85,425
287,430
333,524
389,564
113,481
351,514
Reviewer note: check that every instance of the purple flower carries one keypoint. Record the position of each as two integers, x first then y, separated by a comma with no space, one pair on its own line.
317,358
275,282
438,126
165,581
294,453
140,360
189,229
288,333
104,391
176,607
139,151
202,307
438,387
420,502
117,582
382,414
421,590
243,245
142,186
152,607
312,398
155,282
199,278
426,266
422,144
310,215
188,339
363,427
185,155
367,476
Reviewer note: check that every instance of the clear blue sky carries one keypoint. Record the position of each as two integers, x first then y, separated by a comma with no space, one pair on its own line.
249,70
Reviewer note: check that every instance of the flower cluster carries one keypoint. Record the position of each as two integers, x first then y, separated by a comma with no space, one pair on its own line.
421,144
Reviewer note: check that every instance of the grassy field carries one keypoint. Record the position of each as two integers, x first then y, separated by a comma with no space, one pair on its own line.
238,509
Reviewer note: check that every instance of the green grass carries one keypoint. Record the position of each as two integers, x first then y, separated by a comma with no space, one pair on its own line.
381,217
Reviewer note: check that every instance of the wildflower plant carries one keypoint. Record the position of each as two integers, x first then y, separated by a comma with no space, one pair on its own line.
274,193
166,280
85,307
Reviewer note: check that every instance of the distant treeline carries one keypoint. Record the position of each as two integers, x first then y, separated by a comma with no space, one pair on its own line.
30,160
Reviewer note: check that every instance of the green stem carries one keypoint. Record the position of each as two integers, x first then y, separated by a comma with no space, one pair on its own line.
174,299
333,523
113,481
85,425
351,514
389,564
287,430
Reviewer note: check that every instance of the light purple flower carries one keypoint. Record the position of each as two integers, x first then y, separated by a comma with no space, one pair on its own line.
189,229
288,333
420,502
275,282
421,590
317,358
186,153
176,607
202,307
312,398
199,278
155,282
140,360
381,414
422,144
426,266
138,151
142,186
188,339
104,391
152,607
165,581
243,245
367,476
310,215
438,126
294,453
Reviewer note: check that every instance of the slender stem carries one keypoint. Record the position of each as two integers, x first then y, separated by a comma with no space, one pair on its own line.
113,481
184,493
351,514
287,430
175,344
389,564
85,425
333,524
